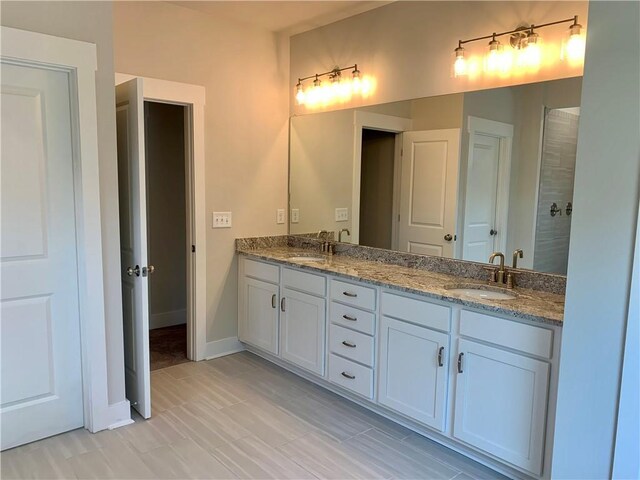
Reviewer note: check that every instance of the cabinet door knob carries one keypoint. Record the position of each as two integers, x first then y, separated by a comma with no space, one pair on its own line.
350,294
441,357
349,344
273,301
282,304
460,355
346,375
347,317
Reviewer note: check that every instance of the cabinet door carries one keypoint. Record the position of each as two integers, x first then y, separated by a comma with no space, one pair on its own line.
302,330
501,404
258,314
413,371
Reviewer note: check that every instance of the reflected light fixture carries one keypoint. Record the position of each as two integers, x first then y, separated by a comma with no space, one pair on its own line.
339,88
525,44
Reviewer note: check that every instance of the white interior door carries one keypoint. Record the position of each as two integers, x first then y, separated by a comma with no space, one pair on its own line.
39,313
133,243
480,200
428,192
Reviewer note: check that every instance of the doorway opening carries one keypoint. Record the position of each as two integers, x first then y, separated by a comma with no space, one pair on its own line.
376,188
167,227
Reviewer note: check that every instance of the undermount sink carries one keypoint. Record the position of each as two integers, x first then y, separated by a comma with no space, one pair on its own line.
478,291
305,258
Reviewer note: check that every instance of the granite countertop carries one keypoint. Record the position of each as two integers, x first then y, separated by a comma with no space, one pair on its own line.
531,305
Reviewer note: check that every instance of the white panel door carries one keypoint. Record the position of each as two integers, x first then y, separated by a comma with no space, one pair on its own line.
428,191
302,330
39,318
480,199
501,404
258,322
413,371
133,243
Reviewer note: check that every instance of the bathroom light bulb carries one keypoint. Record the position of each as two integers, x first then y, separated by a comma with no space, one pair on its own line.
355,82
300,96
460,64
494,60
576,44
532,53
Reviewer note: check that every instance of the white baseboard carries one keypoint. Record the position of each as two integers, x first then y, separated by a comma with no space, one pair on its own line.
167,319
220,348
113,416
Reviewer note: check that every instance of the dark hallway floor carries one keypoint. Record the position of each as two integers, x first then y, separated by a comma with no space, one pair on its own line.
168,346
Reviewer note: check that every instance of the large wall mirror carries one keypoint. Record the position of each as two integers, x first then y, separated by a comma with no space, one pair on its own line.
459,175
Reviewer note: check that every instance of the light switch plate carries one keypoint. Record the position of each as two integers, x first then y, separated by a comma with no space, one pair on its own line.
221,220
280,215
295,215
342,214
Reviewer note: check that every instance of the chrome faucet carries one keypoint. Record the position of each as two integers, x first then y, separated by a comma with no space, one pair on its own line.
340,233
517,254
499,277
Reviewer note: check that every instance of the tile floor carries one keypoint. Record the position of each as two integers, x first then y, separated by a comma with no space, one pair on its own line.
242,417
167,346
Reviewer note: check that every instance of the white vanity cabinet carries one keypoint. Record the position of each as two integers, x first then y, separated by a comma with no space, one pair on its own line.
414,359
258,295
501,391
302,329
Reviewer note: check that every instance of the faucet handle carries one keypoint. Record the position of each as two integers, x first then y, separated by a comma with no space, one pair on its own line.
493,274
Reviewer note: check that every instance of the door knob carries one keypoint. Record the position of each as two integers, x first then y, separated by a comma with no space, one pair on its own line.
448,237
133,270
493,232
148,270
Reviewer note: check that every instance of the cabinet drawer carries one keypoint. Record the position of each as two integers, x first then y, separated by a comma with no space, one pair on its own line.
518,336
261,271
353,345
304,282
351,376
416,311
356,295
354,318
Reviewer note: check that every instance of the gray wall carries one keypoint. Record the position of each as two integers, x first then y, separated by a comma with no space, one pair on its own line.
91,22
602,243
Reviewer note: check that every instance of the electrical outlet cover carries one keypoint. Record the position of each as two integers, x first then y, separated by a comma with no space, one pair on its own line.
280,215
295,215
342,214
221,220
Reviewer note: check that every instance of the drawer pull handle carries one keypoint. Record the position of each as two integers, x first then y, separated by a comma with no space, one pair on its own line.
350,294
460,355
347,375
273,301
349,344
352,319
283,305
441,357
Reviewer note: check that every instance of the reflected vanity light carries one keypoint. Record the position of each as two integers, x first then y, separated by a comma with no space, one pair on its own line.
337,88
525,48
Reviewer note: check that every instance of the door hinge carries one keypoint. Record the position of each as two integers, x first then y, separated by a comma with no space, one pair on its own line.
401,152
193,249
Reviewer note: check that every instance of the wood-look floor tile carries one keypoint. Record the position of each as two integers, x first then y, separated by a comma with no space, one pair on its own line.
187,369
165,462
251,458
38,463
91,465
335,423
267,422
452,458
149,434
216,392
327,458
126,463
199,462
233,365
398,458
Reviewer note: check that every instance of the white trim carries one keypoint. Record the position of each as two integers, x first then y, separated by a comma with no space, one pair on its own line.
78,59
120,414
168,319
223,347
504,132
373,121
193,97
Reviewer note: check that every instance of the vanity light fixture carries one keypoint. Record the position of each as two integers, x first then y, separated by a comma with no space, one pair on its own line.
525,45
338,87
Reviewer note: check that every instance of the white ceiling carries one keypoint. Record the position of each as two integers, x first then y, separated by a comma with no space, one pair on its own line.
290,17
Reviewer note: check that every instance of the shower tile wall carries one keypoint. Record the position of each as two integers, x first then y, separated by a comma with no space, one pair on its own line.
556,185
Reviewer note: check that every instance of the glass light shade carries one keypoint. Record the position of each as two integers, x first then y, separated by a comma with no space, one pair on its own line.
300,96
576,44
532,54
460,63
355,82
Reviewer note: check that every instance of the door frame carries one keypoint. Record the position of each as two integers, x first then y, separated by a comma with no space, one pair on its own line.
79,60
385,123
192,97
504,133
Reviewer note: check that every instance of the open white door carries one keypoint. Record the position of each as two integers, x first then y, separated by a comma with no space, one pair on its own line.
429,184
133,243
